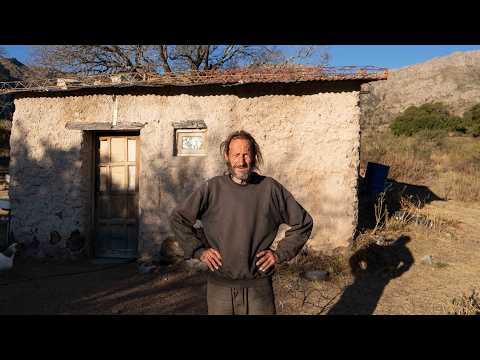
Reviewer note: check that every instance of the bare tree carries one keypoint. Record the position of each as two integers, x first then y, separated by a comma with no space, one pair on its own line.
315,55
208,57
92,59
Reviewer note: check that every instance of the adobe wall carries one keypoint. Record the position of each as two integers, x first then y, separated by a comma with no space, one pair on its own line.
309,136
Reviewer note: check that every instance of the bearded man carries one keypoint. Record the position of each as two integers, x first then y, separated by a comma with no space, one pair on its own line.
241,212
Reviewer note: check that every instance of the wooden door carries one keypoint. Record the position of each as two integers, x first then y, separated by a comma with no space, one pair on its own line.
116,196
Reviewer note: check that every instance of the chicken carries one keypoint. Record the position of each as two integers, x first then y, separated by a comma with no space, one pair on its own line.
6,258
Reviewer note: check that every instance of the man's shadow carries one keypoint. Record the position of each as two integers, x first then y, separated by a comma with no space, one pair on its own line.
373,267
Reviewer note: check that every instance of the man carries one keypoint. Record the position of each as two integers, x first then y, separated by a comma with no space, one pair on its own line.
240,212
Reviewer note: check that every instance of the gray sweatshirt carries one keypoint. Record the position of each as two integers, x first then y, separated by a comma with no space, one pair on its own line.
239,221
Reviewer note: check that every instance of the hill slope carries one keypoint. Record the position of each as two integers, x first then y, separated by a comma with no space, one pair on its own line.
11,69
452,79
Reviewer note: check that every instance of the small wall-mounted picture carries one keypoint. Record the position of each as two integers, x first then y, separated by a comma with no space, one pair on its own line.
191,142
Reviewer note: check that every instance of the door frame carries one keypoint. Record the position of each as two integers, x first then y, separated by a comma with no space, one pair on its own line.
93,219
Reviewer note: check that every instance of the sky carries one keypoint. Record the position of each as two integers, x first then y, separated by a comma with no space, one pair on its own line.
389,56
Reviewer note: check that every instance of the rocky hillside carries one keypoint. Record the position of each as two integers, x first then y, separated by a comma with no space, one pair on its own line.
10,70
453,80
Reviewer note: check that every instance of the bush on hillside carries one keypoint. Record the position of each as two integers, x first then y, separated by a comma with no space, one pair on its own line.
427,117
472,115
474,130
471,119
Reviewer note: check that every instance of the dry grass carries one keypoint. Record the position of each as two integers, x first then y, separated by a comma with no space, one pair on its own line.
296,295
448,165
411,216
309,260
5,124
465,304
5,152
462,186
406,158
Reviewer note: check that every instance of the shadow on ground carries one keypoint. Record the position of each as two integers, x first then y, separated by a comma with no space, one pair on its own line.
33,287
373,267
418,194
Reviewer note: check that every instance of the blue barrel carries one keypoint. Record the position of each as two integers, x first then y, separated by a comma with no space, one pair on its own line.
375,177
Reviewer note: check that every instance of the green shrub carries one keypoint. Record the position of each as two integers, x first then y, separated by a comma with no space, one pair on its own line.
471,119
431,117
472,115
474,130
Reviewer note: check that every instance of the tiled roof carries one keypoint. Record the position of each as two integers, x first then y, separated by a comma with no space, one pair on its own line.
258,74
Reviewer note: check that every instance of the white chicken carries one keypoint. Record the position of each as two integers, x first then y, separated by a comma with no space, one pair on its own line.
6,258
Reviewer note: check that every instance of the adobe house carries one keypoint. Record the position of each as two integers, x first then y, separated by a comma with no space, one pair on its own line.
97,164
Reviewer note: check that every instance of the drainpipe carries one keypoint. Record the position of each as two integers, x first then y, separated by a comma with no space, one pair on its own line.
115,110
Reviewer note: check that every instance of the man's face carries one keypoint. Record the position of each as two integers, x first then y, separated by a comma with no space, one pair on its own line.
239,158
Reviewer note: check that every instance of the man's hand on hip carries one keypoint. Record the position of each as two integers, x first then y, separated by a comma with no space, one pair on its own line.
212,258
267,258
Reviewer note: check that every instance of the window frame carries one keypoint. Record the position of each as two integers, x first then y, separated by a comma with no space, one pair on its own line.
179,133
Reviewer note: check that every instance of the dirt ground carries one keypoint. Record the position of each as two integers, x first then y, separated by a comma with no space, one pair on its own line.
85,288
420,288
35,287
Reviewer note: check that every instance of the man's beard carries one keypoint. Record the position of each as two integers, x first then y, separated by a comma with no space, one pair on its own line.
243,175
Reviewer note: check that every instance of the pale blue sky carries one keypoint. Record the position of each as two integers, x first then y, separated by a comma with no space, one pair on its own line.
390,56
